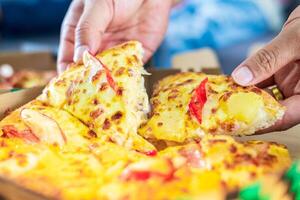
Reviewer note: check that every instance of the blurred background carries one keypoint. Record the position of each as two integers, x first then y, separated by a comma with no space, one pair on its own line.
232,28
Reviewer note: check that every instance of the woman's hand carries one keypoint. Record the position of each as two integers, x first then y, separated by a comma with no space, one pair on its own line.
94,25
278,63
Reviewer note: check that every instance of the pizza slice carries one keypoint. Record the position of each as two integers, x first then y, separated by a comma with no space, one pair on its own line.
37,123
107,94
189,105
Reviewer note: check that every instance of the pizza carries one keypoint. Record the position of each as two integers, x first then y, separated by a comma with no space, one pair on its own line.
187,106
26,79
79,139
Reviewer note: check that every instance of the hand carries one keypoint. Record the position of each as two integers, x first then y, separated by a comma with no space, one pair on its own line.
95,25
278,63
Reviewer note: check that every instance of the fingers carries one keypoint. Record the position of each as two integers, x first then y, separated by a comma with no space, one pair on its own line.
290,118
96,16
266,83
294,16
287,79
82,29
66,46
281,51
152,41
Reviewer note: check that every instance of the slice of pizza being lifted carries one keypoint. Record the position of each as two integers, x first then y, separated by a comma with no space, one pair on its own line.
187,106
107,94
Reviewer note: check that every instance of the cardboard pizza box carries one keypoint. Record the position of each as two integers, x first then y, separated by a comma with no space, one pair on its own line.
204,59
199,60
12,191
33,61
12,100
37,61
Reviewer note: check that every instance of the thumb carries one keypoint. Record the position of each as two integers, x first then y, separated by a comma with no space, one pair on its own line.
96,16
262,65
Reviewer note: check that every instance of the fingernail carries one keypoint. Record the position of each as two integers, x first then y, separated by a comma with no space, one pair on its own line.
78,53
242,75
61,68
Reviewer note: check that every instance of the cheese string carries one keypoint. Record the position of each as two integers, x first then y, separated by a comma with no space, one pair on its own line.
109,77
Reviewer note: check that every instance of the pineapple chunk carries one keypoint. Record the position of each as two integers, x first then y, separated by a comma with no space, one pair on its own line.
244,106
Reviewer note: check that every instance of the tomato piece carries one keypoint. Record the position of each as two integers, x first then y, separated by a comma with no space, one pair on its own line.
9,131
198,100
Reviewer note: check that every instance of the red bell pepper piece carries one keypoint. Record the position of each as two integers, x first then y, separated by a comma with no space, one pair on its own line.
198,100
